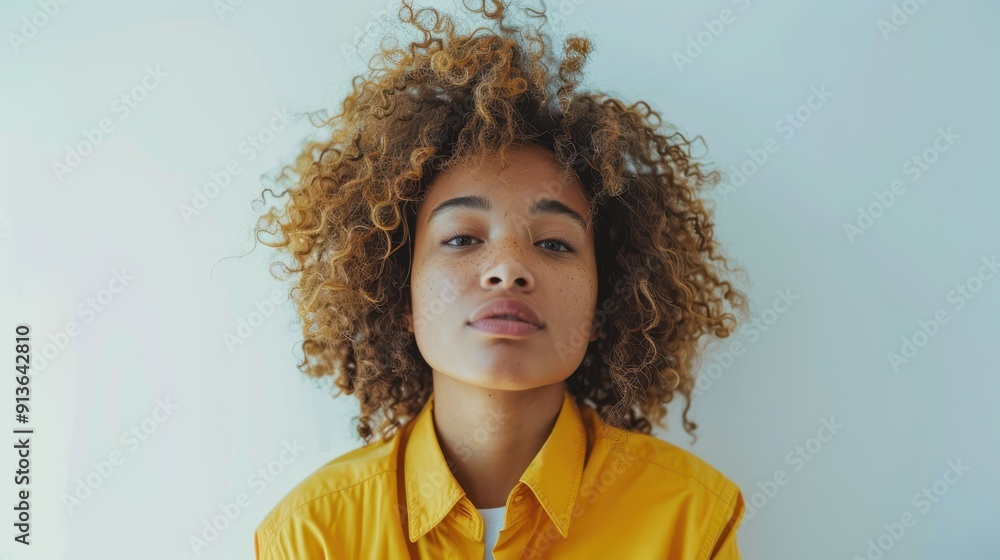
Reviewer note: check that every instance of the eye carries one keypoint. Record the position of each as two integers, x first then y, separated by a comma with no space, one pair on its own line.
569,246
450,239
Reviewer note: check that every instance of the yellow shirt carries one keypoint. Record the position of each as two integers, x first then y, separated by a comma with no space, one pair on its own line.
398,499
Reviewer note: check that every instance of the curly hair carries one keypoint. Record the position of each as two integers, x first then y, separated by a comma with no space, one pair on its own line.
453,97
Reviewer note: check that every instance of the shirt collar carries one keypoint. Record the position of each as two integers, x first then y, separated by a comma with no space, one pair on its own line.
553,475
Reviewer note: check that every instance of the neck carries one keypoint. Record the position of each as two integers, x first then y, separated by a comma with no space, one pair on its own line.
490,436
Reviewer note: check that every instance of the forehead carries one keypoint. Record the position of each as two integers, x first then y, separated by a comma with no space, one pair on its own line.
531,172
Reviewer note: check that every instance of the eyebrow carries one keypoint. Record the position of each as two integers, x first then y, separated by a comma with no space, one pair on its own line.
541,206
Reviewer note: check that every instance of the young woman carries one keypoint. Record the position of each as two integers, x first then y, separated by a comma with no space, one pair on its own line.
512,276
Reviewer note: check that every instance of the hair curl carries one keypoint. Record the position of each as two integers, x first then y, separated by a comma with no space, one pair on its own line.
456,97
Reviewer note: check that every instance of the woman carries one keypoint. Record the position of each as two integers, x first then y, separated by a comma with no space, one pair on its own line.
512,277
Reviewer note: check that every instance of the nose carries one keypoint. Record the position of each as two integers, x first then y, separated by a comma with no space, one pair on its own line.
508,269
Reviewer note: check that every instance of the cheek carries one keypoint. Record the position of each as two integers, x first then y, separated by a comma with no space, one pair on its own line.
586,284
575,291
436,286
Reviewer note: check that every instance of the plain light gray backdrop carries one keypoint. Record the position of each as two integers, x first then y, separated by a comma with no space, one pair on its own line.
866,216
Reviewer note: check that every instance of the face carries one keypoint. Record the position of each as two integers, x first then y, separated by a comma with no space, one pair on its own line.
525,241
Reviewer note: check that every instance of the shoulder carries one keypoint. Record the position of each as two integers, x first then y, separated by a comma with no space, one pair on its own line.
688,490
672,467
682,465
324,495
700,504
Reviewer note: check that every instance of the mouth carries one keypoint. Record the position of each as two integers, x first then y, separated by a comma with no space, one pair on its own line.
510,318
505,325
506,316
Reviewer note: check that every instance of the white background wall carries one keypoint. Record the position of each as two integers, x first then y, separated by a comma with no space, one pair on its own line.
66,237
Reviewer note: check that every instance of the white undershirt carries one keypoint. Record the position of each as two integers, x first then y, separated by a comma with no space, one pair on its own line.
493,517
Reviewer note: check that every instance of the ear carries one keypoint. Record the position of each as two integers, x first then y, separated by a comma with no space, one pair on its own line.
594,330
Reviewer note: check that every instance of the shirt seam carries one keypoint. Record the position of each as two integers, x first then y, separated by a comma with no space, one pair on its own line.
723,509
726,484
271,548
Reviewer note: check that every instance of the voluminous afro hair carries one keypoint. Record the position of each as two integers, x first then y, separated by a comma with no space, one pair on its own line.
458,97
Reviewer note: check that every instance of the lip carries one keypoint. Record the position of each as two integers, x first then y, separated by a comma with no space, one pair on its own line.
508,327
486,318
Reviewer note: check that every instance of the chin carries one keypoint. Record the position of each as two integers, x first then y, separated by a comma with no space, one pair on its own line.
504,380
